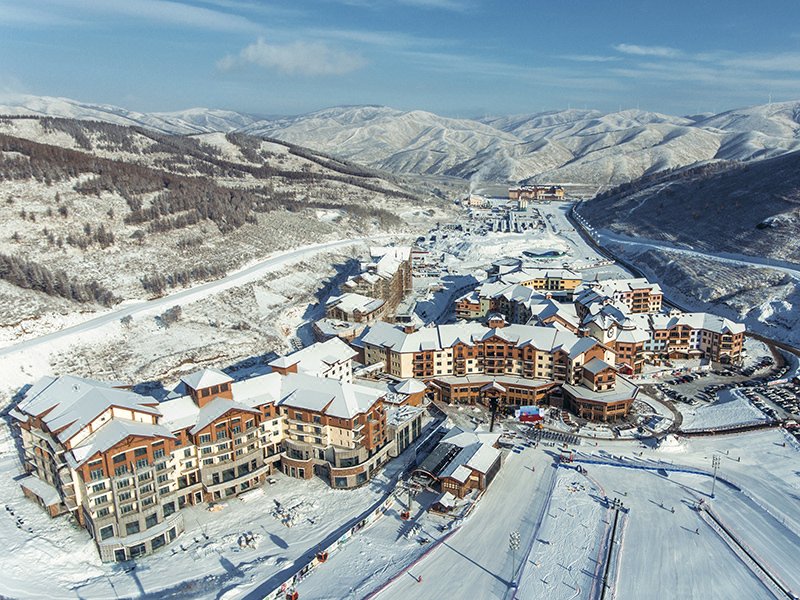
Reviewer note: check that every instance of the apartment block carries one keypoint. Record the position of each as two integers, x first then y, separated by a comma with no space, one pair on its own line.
124,464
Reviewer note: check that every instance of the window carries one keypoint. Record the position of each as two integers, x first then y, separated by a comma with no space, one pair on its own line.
126,509
96,474
340,482
236,429
161,466
119,458
249,423
99,487
151,521
122,496
205,438
298,416
158,541
189,464
147,488
145,476
159,453
141,463
103,512
207,450
187,453
148,501
107,532
132,528
222,434
208,461
140,452
163,491
101,499
169,508
138,550
163,477
121,470
121,483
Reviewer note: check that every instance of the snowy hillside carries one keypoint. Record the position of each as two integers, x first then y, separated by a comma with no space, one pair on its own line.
568,146
95,213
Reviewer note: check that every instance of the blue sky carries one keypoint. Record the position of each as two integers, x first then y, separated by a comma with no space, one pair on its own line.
453,57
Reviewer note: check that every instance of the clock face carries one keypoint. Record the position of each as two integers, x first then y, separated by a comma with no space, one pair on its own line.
612,331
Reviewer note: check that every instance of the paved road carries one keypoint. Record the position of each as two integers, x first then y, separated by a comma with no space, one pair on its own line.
238,278
789,268
476,561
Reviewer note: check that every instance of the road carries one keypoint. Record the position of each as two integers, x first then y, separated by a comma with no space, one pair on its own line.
240,277
476,561
604,236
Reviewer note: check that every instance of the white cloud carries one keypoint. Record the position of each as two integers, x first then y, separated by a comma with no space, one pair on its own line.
167,12
588,57
296,58
636,50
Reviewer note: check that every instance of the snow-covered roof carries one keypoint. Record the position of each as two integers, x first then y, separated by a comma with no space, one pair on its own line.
179,413
462,438
583,344
42,489
445,336
410,386
610,287
402,414
214,410
352,302
110,434
483,459
624,390
328,396
317,358
460,473
528,274
447,500
70,403
206,378
596,366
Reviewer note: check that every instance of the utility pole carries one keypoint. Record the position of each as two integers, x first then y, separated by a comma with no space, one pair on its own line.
715,464
513,544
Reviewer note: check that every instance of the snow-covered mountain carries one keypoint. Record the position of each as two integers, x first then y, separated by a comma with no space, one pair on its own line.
193,120
569,146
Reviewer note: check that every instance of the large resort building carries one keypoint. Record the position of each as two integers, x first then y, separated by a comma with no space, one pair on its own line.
506,366
124,464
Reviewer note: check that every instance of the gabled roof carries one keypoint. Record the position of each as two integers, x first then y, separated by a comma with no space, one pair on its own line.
328,396
67,404
410,386
317,358
215,409
112,433
596,366
206,378
583,344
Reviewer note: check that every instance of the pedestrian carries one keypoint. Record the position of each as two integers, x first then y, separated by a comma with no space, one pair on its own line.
697,530
419,578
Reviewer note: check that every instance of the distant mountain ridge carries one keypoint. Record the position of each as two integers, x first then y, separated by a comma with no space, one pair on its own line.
568,146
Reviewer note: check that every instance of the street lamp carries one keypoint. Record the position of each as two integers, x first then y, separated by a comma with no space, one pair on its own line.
715,464
513,544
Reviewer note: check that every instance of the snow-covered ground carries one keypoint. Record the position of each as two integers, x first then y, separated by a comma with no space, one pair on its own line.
49,558
565,558
731,408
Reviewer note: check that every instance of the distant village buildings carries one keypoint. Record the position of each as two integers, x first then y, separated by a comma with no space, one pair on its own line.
525,193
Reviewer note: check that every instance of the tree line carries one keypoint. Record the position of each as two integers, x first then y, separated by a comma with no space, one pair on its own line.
31,275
